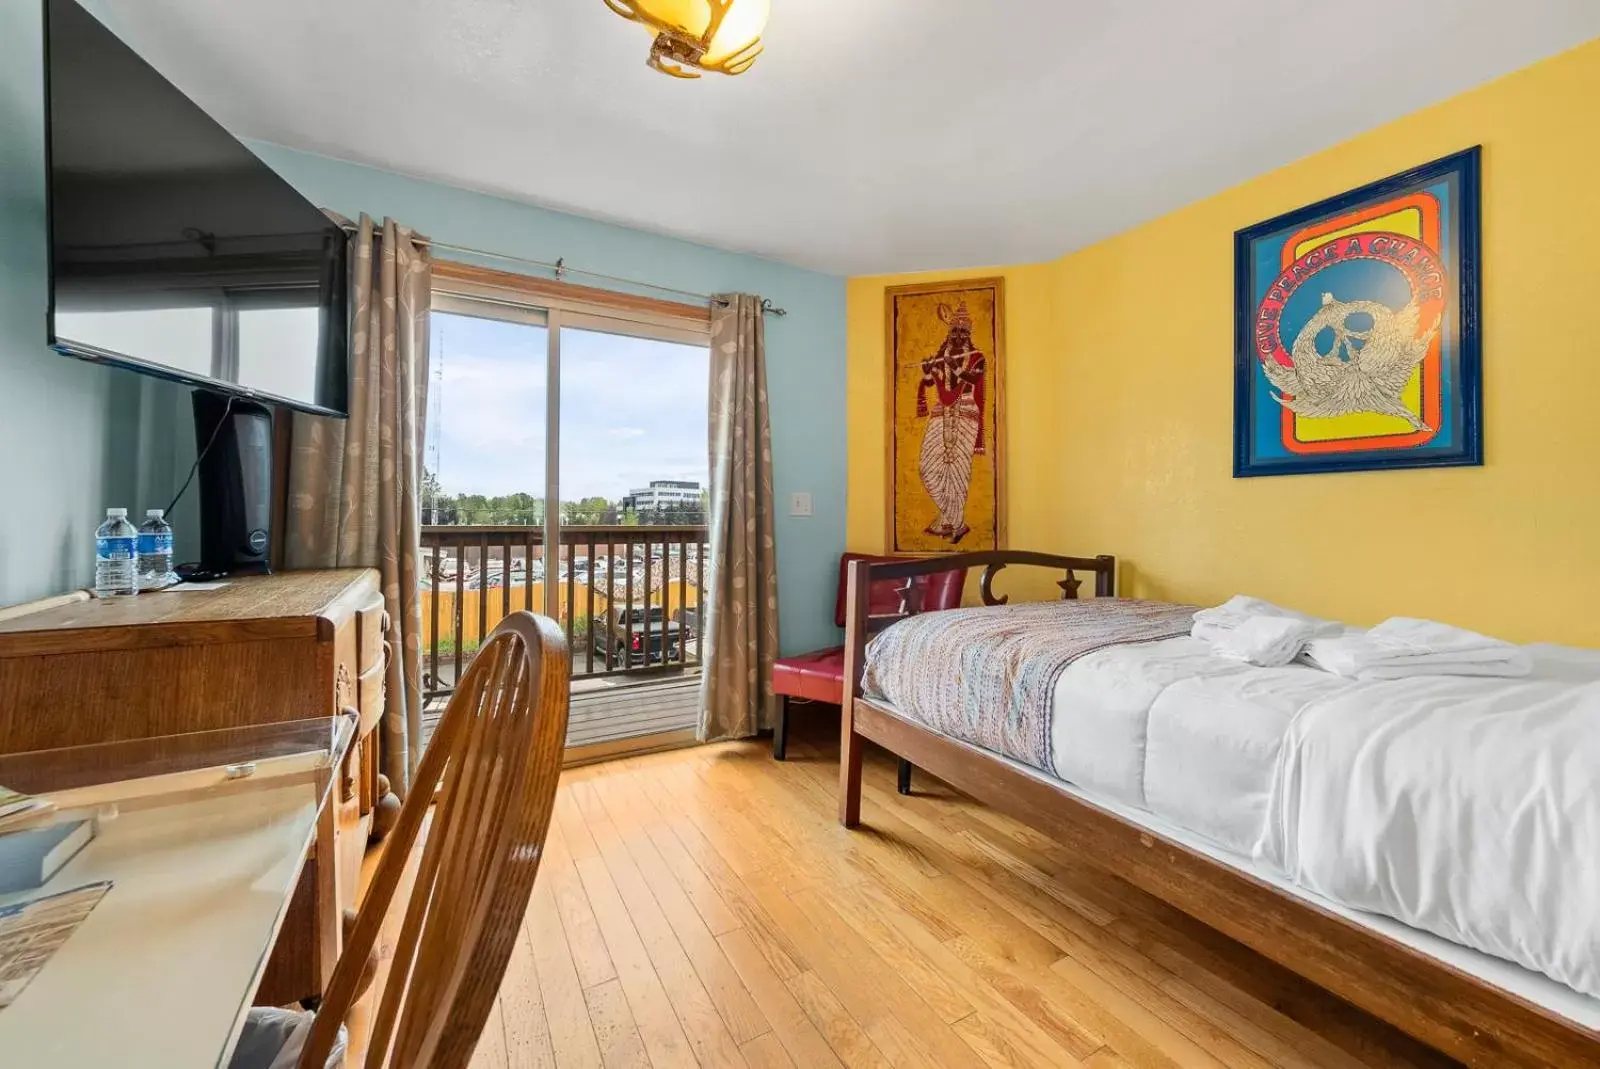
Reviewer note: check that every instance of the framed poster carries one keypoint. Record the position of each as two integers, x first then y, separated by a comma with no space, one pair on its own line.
1356,329
946,344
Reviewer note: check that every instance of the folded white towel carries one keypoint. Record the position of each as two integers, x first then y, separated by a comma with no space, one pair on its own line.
1401,647
1268,641
1406,635
1258,632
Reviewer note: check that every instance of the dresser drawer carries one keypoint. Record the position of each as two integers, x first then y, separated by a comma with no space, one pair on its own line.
370,696
371,626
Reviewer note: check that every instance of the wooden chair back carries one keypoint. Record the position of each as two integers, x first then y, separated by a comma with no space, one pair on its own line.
494,760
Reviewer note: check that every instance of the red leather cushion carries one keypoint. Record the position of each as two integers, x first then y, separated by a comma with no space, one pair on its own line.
942,590
818,676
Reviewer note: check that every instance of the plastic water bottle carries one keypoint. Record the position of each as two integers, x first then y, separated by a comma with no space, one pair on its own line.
155,550
116,556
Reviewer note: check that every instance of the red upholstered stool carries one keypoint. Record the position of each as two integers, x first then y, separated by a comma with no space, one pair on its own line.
819,676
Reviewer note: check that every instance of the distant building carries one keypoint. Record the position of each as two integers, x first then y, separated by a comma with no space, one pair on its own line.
662,494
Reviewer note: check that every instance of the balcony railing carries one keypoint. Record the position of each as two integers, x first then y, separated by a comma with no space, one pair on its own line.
629,597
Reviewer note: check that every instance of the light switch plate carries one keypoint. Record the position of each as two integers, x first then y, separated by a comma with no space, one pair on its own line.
800,504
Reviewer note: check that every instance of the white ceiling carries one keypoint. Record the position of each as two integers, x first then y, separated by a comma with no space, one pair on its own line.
873,135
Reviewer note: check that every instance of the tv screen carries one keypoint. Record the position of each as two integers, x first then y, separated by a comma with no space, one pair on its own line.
174,249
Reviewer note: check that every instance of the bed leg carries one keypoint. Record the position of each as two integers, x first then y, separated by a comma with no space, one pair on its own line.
780,731
903,777
850,747
858,584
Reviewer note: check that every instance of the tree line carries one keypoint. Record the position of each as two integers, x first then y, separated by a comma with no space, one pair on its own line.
525,510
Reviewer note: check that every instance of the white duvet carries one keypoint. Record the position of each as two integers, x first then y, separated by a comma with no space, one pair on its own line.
1174,728
1466,807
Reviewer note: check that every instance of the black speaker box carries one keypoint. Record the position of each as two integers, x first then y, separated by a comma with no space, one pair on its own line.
235,483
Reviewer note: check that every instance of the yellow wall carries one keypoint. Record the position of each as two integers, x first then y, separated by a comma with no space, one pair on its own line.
1030,390
1120,404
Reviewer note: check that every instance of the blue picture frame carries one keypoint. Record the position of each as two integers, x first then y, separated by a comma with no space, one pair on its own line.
1357,329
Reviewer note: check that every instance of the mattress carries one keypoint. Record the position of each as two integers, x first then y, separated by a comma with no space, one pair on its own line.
1463,807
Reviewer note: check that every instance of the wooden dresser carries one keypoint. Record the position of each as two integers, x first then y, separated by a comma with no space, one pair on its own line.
259,650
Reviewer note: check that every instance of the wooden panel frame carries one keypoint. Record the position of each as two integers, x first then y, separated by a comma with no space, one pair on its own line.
998,360
450,276
634,746
1449,1009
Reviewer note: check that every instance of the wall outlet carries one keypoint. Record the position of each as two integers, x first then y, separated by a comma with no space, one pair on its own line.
800,504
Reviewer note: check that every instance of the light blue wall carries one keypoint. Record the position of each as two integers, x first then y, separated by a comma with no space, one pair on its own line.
805,349
74,438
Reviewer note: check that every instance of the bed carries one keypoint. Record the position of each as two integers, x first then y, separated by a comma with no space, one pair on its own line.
1319,821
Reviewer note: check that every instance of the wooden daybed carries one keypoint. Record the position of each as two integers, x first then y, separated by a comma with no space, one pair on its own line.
1458,1013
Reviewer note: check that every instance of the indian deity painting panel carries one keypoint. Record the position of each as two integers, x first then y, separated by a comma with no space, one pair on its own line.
1356,329
946,346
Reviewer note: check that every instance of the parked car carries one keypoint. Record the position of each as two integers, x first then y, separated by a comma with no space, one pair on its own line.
635,636
688,621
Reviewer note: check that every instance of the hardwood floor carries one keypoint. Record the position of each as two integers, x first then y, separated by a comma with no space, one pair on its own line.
702,907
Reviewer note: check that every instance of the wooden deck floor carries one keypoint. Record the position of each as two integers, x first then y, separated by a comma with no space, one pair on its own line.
702,907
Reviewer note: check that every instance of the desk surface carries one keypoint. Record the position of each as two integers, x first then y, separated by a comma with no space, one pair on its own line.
161,973
287,605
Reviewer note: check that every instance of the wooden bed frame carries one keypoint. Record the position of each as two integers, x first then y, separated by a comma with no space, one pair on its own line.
1463,1016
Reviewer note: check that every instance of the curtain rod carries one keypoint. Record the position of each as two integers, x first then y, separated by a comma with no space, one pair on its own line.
560,270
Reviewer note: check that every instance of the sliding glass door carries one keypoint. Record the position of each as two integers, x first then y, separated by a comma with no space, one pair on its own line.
484,484
632,480
566,474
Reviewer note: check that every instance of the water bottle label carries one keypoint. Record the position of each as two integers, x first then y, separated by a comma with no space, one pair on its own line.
114,548
151,543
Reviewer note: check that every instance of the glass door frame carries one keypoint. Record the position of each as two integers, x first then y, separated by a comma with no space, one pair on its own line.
553,311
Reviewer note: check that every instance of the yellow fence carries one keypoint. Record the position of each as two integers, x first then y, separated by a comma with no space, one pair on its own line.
492,604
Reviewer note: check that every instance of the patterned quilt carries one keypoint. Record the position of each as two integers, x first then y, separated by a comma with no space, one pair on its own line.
986,675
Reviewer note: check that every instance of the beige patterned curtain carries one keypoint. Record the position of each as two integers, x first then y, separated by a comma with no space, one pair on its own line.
353,483
736,697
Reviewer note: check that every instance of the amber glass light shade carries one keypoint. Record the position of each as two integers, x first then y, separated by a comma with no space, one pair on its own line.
693,35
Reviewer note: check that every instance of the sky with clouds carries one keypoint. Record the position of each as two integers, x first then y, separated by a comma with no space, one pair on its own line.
632,410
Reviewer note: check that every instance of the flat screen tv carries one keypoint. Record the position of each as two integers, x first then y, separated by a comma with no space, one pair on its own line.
174,249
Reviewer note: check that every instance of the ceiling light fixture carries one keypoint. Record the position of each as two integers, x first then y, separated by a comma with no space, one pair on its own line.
723,36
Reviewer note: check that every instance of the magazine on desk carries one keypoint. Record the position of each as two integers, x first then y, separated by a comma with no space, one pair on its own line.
19,810
32,931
